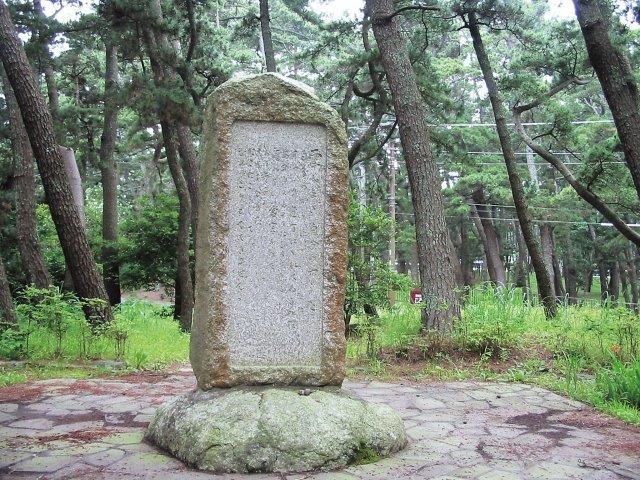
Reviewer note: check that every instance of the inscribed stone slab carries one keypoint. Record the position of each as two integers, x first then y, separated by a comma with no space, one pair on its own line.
271,246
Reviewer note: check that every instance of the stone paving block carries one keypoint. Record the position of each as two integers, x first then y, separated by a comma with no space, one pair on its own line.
33,424
6,417
74,427
428,403
9,458
143,464
74,471
43,464
499,475
80,449
104,458
124,438
8,407
472,471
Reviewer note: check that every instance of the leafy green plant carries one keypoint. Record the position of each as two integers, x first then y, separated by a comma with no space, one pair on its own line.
13,341
50,308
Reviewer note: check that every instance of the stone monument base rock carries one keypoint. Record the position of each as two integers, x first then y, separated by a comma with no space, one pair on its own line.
254,429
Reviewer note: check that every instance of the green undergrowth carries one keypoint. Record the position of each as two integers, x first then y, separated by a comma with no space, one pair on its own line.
590,352
53,337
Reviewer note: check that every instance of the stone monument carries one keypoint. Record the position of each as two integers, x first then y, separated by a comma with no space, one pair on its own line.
267,342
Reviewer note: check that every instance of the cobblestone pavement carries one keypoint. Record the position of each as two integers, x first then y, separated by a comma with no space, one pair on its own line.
92,429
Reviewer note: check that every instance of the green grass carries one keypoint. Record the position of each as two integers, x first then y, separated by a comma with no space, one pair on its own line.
143,336
503,337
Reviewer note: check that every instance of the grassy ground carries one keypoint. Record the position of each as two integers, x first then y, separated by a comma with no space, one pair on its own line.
588,352
144,336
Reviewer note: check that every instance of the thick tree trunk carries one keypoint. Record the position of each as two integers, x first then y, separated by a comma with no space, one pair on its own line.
519,200
7,310
436,255
617,79
25,185
39,125
109,177
265,27
495,267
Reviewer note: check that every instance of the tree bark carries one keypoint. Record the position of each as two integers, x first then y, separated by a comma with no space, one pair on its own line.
169,135
190,164
519,200
26,222
436,255
46,66
39,125
466,265
495,267
616,78
602,270
614,282
265,27
632,275
522,270
546,247
109,177
7,309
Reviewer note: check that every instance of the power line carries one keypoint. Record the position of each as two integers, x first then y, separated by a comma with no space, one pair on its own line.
474,125
566,222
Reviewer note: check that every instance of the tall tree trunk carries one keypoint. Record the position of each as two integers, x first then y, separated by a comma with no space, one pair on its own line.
614,283
519,200
171,146
466,265
109,177
46,66
546,247
632,275
602,269
7,310
392,229
436,255
26,223
617,79
522,270
265,27
569,273
497,273
624,280
39,125
190,164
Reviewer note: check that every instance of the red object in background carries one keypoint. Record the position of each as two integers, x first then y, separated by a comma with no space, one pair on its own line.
415,296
